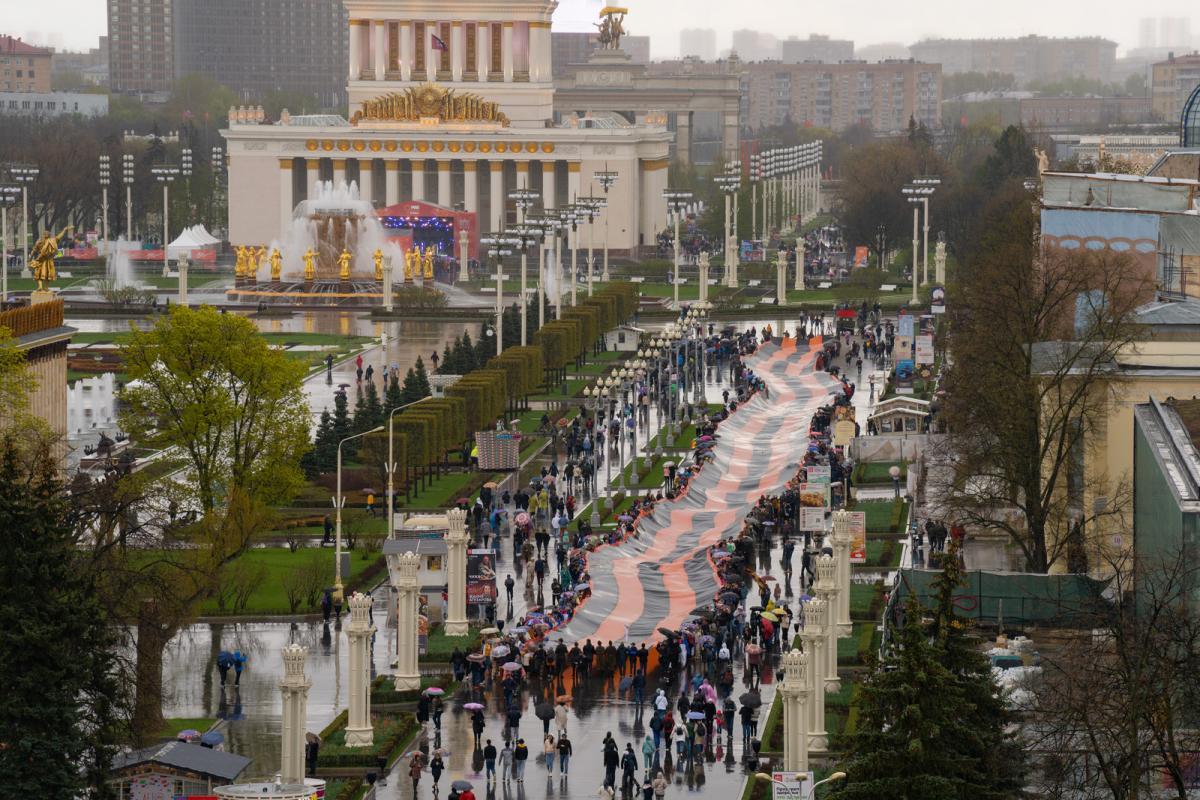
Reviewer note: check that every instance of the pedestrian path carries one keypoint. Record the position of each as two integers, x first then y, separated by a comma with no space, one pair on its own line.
656,578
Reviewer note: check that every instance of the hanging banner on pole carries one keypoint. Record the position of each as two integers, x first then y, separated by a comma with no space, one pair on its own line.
924,349
858,537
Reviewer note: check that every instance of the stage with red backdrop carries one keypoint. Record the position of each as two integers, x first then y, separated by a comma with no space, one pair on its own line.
420,224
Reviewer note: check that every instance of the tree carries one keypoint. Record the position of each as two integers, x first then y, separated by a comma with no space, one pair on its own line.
871,194
1035,338
60,711
447,362
343,425
372,407
422,379
410,393
393,398
1013,158
324,445
914,719
208,384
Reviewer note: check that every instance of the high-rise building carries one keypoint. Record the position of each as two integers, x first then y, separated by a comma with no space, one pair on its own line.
883,95
141,46
567,47
257,46
755,45
23,67
698,43
1028,58
816,48
1172,81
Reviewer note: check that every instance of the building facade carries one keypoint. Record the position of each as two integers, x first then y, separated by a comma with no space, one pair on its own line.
141,47
259,46
68,61
456,121
53,104
1171,83
1028,58
883,96
43,337
698,43
816,48
1062,113
23,67
750,45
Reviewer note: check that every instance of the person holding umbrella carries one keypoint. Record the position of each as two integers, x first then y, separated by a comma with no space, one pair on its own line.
477,726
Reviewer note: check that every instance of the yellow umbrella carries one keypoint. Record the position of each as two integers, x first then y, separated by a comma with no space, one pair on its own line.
769,616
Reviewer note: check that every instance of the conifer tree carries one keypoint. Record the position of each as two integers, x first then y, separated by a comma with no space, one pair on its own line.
445,367
361,419
343,426
393,397
371,407
422,379
470,356
324,449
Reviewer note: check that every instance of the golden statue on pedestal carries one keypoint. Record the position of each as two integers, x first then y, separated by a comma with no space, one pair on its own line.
411,264
41,258
259,255
310,269
239,266
378,259
276,264
344,265
429,263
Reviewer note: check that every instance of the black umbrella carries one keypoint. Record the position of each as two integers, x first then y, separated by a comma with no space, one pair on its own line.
462,786
544,711
705,612
668,632
751,699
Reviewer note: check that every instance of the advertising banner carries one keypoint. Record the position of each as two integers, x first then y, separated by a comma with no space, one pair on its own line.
791,785
818,473
814,495
812,519
481,577
858,537
924,350
904,375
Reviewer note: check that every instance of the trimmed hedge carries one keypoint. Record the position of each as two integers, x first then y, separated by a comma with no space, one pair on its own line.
392,733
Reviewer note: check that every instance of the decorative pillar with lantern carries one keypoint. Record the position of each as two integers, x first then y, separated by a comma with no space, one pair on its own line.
827,589
607,178
403,570
294,689
359,732
813,637
794,689
840,538
677,203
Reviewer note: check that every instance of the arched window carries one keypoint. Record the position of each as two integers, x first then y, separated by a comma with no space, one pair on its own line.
1190,122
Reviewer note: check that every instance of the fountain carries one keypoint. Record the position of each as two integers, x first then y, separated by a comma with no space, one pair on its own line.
118,268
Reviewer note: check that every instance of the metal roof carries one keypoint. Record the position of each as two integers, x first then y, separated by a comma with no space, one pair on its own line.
185,756
422,547
1169,312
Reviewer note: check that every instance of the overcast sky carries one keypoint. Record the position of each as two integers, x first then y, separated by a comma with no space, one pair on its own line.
76,24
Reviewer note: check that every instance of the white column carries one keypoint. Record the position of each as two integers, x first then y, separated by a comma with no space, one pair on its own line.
471,186
418,178
548,185
483,50
539,52
458,47
497,194
313,176
456,567
939,263
444,196
702,262
183,271
841,549
355,49
799,263
826,589
404,580
285,193
572,181
464,255
406,51
366,179
506,51
812,635
781,277
794,689
294,688
392,182
359,732
379,44
430,60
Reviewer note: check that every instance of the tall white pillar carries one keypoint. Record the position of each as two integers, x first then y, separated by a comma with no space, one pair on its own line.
812,636
841,550
406,51
366,179
799,263
496,192
939,264
702,262
356,28
506,51
794,689
471,186
183,276
313,176
549,185
339,172
827,590
573,168
359,732
379,48
285,193
483,50
431,60
458,50
781,277
540,68
456,568
418,178
464,255
294,688
392,182
404,580
444,196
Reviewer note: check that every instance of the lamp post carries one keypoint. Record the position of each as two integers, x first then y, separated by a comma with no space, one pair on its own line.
9,192
127,174
755,175
570,216
218,166
524,200
728,185
765,167
391,465
916,204
589,209
548,225
918,192
105,179
677,202
166,174
607,178
733,170
24,174
338,502
927,186
499,245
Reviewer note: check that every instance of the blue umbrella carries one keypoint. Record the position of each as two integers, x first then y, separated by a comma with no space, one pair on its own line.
212,738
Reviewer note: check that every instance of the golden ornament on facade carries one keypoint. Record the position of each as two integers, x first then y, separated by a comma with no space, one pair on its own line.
360,146
485,147
311,144
501,147
531,147
327,144
430,101
547,147
389,146
438,147
343,145
455,147
422,147
374,146
406,146
469,147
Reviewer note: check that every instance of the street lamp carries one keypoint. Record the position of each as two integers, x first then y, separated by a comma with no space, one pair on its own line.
571,215
728,184
166,174
916,204
523,236
391,465
589,208
499,245
127,174
218,167
24,174
677,203
919,191
9,192
105,180
338,502
607,179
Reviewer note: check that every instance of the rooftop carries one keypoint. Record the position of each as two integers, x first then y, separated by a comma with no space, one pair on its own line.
1172,429
186,757
10,45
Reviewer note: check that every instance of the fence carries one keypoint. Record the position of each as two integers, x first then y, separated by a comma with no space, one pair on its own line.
1010,598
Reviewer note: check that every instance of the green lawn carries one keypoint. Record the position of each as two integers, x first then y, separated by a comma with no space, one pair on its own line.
269,597
853,649
883,553
441,646
882,515
862,597
574,387
878,472
174,725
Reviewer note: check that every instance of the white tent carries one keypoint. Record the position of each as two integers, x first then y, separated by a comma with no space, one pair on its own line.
193,238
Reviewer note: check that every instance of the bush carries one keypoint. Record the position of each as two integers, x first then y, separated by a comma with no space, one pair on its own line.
391,734
306,584
417,298
238,582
